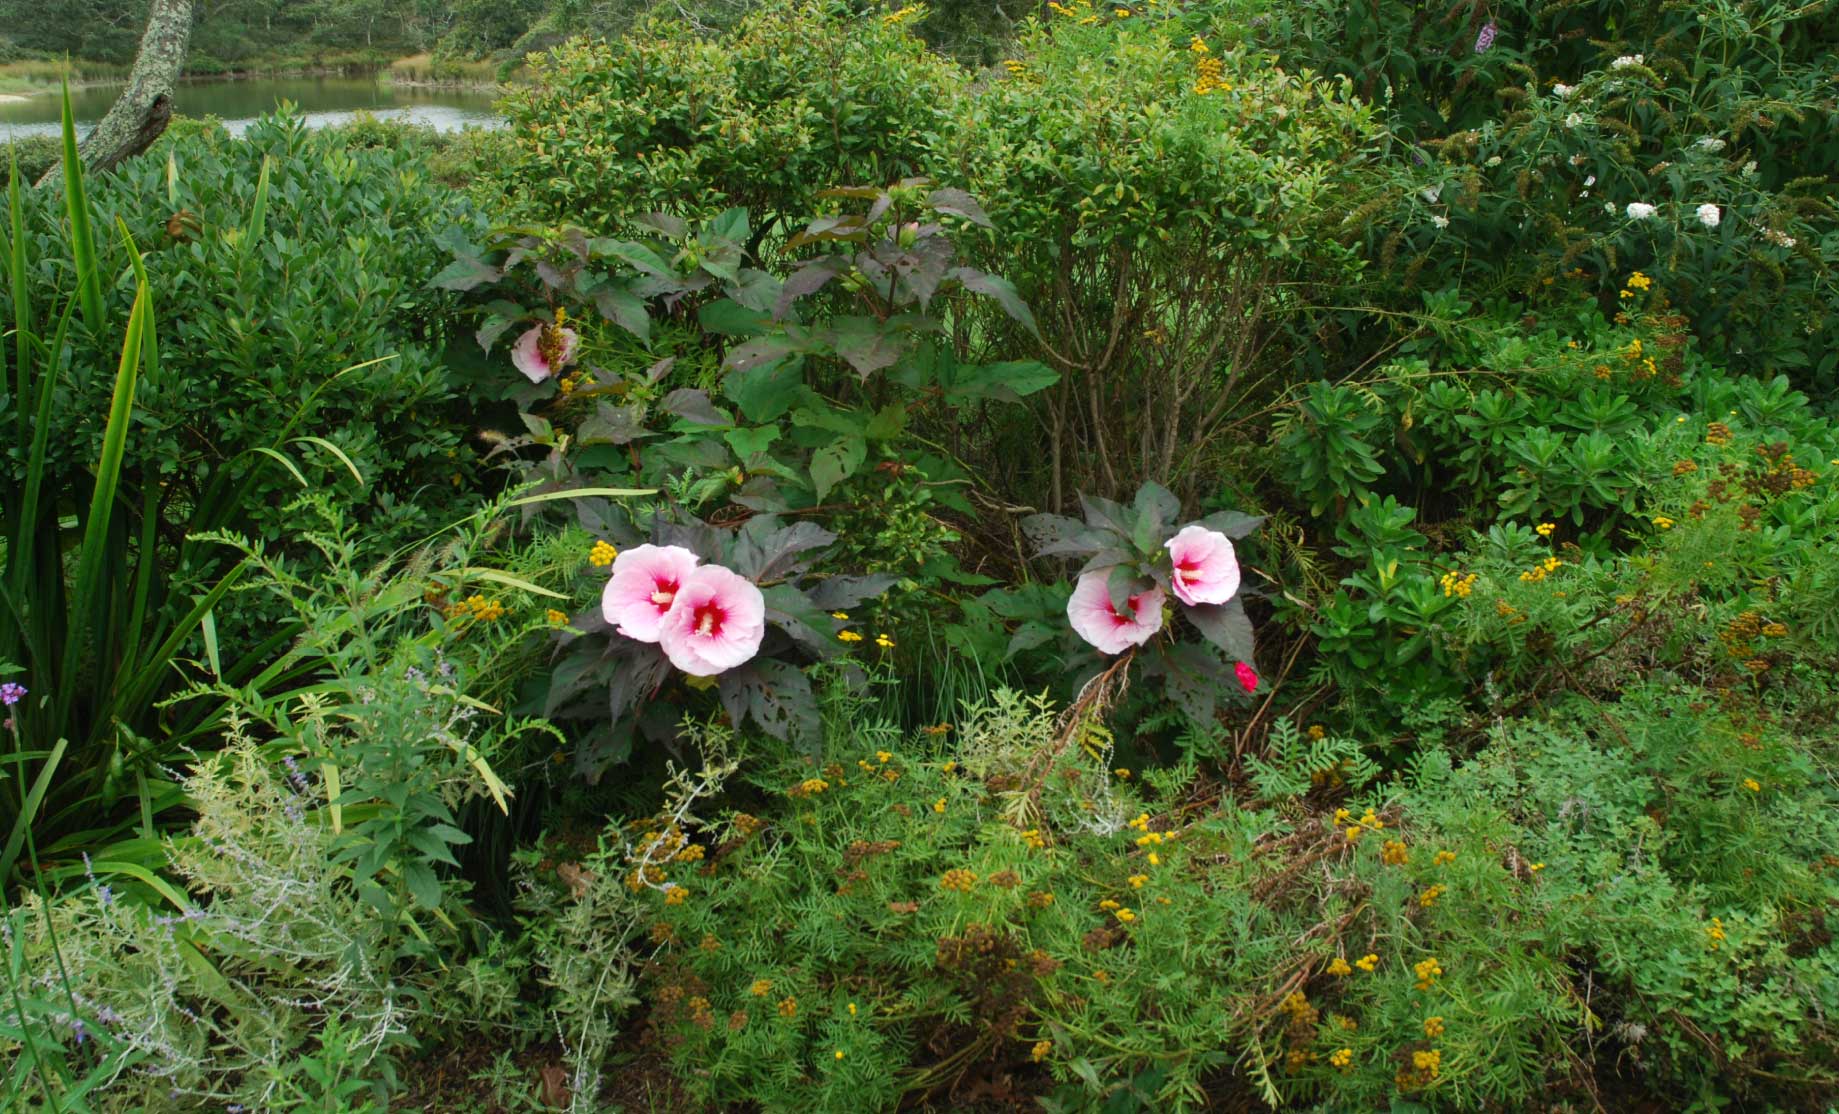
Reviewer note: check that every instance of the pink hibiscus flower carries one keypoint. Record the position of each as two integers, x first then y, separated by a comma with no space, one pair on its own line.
646,581
1206,571
1096,621
716,624
544,350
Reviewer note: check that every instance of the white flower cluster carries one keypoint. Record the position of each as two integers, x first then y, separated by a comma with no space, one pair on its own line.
1777,237
1628,60
1709,215
1710,143
1639,210
1561,90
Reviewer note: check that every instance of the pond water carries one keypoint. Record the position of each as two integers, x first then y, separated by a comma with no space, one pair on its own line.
323,101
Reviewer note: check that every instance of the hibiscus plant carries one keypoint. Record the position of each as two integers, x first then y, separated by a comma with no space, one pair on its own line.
689,608
1139,570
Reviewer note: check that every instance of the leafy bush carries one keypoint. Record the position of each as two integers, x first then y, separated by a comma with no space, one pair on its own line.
1168,224
904,920
292,958
796,98
294,307
1541,139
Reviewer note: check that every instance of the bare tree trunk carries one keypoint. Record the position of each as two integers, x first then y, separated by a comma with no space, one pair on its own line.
142,111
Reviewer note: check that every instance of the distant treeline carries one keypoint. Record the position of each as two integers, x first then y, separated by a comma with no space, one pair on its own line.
233,34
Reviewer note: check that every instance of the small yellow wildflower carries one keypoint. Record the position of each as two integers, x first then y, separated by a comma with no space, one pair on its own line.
1317,732
852,1009
1198,45
1715,932
1429,897
1639,281
1443,857
1341,1058
556,618
1121,774
884,642
1430,1062
760,988
1126,915
1394,853
1041,1050
842,616
1155,859
1752,785
1545,529
1428,971
848,636
839,1054
939,805
1136,881
788,1008
1338,967
1367,962
882,756
601,555
676,895
958,879
1433,1027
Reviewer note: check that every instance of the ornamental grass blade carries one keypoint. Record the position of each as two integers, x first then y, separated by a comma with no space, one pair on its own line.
82,240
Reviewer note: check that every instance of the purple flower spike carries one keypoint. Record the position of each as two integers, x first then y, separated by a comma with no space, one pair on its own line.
1486,39
11,694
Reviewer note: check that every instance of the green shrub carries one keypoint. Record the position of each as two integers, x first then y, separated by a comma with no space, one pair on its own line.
1169,207
796,98
1472,933
286,950
312,319
1534,147
33,155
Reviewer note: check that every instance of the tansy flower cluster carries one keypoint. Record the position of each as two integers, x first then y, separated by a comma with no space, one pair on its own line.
1428,971
601,555
478,608
958,879
1714,933
1457,584
1542,570
1369,821
1636,281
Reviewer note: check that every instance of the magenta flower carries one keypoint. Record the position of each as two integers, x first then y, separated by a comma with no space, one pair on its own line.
544,350
1095,620
1206,571
1248,677
1486,39
716,624
11,694
645,583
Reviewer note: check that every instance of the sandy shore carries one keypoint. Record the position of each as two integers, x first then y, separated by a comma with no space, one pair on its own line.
12,98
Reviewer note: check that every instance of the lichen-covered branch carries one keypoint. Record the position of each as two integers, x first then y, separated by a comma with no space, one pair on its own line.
142,111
